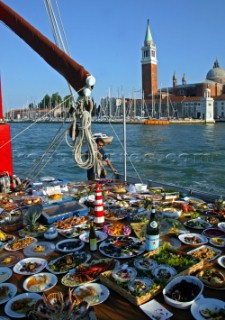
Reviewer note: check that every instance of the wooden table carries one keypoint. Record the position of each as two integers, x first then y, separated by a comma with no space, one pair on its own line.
116,307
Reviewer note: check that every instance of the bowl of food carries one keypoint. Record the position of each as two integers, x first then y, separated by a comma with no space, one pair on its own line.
182,291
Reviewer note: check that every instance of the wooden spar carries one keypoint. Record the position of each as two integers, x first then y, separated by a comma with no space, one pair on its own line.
74,73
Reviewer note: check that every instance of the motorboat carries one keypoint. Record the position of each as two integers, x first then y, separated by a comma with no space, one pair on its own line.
107,139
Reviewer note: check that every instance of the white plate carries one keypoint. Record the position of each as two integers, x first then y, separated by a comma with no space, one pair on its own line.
194,201
102,293
5,274
145,284
214,243
50,283
221,261
30,251
99,234
217,252
184,238
124,273
78,258
41,264
197,224
133,246
22,244
11,293
69,245
145,263
221,226
171,213
202,303
14,314
164,272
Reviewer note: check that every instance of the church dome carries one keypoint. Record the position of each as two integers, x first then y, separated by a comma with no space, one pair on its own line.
216,74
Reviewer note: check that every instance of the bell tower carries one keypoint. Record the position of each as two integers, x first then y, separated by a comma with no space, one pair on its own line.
149,65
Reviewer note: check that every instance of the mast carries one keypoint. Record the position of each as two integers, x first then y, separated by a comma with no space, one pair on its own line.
74,73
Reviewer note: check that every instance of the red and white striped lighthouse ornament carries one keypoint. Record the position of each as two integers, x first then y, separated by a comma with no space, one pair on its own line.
99,218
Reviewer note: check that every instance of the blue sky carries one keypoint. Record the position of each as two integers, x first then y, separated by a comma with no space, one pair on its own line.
106,38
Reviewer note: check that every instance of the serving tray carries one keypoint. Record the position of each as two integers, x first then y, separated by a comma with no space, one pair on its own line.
107,279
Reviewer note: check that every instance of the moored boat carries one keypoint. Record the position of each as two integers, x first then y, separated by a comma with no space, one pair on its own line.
107,139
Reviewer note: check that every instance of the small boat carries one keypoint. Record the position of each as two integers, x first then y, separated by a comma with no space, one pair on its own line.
107,140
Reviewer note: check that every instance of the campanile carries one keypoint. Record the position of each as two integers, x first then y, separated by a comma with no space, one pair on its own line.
149,65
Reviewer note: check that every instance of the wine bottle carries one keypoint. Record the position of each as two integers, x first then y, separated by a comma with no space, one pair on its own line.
152,232
92,237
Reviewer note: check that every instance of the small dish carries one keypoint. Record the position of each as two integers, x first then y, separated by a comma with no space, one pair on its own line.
124,273
38,249
10,293
205,253
5,274
217,242
29,299
30,266
193,239
221,261
92,293
69,245
201,308
213,232
164,272
145,263
140,285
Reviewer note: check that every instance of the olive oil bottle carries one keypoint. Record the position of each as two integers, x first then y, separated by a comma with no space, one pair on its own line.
92,237
152,232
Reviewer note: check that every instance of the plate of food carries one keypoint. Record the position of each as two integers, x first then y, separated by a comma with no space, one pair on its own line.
144,263
73,232
212,278
207,308
194,200
140,285
214,232
37,231
197,224
211,219
217,242
40,282
115,215
30,266
5,274
122,247
10,259
7,291
99,235
164,272
6,238
171,212
70,222
67,262
93,293
88,272
193,239
117,229
221,261
221,226
69,245
38,249
205,253
19,305
124,273
20,244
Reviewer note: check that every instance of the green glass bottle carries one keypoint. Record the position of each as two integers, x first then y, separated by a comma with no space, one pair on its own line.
152,232
92,237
